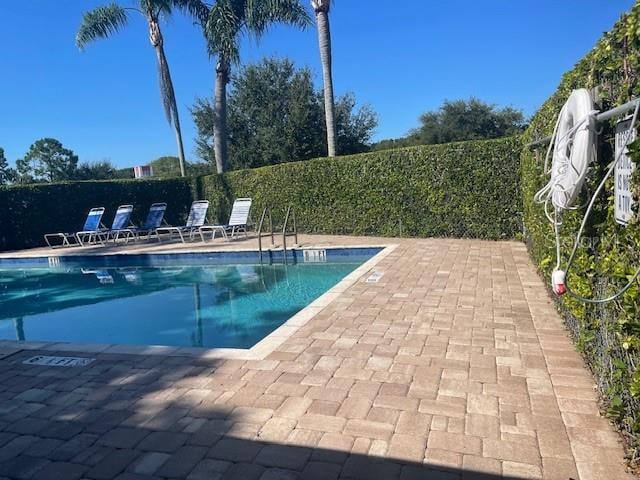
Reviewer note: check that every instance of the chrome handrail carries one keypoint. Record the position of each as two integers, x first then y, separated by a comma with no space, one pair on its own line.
264,213
284,231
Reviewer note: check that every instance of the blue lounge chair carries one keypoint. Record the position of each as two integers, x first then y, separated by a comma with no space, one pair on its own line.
121,222
89,233
238,221
197,218
154,220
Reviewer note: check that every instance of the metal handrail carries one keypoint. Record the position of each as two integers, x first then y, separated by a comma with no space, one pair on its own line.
284,231
601,117
264,213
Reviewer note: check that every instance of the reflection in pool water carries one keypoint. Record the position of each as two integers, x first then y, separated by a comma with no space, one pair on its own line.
209,306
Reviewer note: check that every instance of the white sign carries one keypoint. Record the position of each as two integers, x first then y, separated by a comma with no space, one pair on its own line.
623,172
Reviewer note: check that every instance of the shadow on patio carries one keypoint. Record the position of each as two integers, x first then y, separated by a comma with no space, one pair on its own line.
143,417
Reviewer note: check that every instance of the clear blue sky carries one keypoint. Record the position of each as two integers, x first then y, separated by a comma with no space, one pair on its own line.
402,58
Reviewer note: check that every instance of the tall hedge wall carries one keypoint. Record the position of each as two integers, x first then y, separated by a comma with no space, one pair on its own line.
608,335
461,189
28,212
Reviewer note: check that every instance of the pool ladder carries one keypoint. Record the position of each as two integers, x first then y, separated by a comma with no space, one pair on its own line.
290,216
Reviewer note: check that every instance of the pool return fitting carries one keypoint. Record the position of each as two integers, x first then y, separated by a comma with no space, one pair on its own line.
572,148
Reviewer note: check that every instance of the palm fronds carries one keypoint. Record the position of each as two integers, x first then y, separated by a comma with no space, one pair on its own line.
167,93
227,18
100,23
222,28
261,13
194,8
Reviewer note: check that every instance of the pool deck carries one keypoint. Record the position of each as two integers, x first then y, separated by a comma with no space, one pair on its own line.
455,365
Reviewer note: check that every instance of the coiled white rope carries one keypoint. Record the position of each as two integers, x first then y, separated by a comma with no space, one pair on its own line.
610,170
561,183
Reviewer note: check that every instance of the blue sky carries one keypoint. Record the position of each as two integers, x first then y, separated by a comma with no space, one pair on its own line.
402,60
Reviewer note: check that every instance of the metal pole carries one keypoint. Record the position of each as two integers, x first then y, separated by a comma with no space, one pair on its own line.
284,234
19,326
196,297
295,229
601,117
271,224
260,233
615,112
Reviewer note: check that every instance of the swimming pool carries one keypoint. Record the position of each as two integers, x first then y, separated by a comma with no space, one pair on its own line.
185,301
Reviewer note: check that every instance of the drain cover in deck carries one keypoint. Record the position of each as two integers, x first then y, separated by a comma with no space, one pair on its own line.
374,277
50,361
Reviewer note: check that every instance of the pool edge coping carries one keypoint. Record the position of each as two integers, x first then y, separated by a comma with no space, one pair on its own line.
259,351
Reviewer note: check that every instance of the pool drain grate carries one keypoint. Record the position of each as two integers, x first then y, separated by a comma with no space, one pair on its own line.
50,361
374,277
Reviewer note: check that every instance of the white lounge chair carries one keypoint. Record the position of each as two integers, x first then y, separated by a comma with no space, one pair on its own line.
197,218
238,221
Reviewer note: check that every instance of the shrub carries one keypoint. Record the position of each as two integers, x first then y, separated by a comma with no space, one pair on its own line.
607,335
466,189
30,211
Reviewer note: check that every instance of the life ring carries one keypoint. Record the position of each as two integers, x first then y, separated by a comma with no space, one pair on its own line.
574,148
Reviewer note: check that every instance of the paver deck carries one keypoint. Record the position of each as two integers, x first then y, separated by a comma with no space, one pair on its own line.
454,366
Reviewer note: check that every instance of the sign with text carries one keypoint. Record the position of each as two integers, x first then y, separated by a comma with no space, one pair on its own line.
623,172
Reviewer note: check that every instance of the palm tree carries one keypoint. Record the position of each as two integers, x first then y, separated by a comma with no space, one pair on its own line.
104,21
321,9
228,20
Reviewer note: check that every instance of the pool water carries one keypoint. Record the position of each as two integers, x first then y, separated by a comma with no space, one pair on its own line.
210,306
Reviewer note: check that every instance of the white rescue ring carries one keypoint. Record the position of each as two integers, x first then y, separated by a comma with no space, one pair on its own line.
574,148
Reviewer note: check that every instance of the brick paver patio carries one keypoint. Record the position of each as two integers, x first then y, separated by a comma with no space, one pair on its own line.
454,366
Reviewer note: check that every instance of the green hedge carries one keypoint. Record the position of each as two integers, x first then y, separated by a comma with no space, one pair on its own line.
28,212
608,336
462,189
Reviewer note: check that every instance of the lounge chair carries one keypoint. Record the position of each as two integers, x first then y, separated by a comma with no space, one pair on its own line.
89,233
238,221
154,220
197,218
121,222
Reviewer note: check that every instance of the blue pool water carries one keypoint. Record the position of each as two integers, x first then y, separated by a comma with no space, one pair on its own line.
194,306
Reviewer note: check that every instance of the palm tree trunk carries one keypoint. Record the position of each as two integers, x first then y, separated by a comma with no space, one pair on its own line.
220,116
324,40
178,130
166,89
